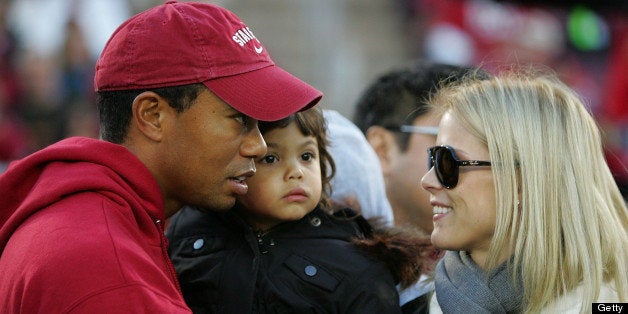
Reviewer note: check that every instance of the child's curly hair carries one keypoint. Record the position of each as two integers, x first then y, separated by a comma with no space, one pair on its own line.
407,251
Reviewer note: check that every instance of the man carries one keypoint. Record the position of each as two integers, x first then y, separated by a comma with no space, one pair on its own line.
400,127
181,88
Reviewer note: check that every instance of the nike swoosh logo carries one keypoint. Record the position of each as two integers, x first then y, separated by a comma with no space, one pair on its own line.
258,49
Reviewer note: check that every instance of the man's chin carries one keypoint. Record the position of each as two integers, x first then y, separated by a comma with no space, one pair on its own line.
215,206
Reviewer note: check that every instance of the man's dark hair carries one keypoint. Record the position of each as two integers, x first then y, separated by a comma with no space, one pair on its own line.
115,107
398,97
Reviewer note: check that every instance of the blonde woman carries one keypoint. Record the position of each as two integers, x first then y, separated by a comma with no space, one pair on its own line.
524,202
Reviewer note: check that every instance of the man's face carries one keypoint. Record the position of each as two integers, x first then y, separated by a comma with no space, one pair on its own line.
207,152
405,169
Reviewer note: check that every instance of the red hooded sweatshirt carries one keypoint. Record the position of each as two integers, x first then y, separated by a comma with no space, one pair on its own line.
81,231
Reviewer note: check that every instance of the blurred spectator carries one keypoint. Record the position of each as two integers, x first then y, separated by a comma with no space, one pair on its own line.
78,92
584,42
12,132
40,106
358,182
393,115
45,36
47,69
615,115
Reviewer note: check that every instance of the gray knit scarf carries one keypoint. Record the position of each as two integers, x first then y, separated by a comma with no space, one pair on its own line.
462,287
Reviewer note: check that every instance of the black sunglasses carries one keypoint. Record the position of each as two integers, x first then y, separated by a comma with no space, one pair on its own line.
446,164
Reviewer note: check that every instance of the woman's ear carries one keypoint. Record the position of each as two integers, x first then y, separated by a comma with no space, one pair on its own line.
149,111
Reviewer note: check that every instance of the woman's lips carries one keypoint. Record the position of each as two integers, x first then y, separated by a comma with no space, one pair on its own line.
440,211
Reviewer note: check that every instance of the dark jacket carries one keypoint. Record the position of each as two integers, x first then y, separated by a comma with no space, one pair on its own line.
304,266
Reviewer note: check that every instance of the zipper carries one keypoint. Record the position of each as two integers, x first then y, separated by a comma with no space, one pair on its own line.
264,245
164,252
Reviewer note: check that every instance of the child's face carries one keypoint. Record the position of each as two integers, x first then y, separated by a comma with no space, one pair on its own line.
287,184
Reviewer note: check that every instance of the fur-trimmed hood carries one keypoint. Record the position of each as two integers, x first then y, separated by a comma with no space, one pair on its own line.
408,252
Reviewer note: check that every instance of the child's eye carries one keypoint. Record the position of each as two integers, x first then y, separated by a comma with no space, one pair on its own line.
269,159
307,156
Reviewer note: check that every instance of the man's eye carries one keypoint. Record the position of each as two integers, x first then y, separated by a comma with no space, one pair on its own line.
241,119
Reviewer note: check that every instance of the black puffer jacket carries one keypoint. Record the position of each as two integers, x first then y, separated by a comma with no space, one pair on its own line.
305,266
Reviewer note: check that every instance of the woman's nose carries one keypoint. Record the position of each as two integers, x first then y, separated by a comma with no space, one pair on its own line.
429,180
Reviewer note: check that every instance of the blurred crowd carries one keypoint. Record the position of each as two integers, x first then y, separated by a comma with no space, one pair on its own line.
48,51
586,43
46,76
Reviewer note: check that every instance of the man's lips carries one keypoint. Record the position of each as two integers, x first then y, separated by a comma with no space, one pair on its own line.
238,183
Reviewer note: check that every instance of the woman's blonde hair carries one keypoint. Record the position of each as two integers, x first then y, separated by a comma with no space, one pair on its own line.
559,210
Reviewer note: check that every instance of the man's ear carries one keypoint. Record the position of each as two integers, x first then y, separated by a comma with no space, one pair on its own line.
149,111
383,142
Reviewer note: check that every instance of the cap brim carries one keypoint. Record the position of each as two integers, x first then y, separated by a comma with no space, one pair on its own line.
266,94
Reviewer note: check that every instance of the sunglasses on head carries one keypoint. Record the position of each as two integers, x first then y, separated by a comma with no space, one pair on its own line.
429,130
446,164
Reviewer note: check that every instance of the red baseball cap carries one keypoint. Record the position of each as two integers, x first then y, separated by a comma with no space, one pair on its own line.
184,43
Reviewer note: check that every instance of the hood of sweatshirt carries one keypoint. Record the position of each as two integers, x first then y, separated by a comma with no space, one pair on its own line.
71,166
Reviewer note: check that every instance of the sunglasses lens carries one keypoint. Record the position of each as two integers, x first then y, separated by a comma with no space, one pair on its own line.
446,167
